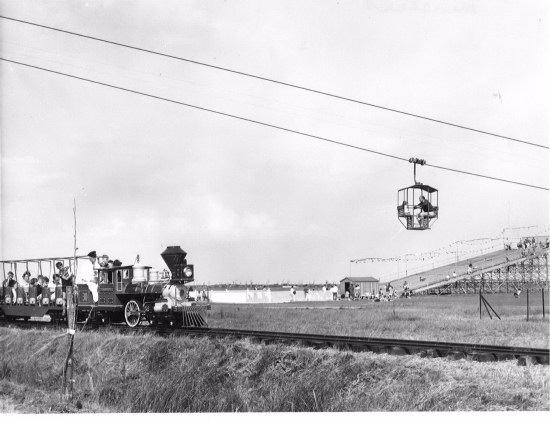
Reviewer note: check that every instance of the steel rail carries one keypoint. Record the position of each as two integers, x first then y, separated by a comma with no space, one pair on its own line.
480,352
451,350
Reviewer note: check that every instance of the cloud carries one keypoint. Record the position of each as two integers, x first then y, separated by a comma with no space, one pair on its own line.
224,222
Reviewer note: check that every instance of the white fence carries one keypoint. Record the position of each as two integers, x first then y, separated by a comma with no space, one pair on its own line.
266,296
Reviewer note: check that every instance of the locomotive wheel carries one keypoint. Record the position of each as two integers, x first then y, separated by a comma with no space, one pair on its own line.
132,314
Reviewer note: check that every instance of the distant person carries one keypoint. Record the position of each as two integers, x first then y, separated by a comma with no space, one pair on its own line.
292,293
517,293
427,210
334,291
470,268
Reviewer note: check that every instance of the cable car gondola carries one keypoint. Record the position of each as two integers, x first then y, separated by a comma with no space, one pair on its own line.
417,205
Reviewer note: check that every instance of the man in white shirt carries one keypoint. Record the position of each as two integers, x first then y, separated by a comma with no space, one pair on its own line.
334,291
87,274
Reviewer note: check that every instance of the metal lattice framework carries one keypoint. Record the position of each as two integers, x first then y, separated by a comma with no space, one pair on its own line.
529,273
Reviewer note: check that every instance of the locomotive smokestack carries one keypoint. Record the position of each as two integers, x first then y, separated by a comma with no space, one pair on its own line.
174,257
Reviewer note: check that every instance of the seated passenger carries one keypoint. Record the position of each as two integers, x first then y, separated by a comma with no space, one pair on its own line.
427,210
10,279
104,261
58,295
32,291
45,293
24,285
406,208
52,284
11,284
38,285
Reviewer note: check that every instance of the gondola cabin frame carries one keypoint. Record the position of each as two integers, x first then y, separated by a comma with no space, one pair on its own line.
408,198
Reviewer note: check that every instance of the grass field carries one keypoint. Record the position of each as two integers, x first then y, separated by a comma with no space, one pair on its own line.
115,373
452,318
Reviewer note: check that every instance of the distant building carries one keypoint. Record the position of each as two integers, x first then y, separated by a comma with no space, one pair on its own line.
366,284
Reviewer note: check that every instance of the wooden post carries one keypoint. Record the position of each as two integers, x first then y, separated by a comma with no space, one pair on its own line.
543,310
527,304
68,380
480,304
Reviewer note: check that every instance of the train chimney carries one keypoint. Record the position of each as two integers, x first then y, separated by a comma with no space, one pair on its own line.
174,257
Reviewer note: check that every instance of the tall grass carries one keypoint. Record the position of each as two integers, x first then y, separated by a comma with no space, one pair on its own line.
150,374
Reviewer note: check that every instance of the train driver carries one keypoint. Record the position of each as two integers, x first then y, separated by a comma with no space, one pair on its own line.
87,274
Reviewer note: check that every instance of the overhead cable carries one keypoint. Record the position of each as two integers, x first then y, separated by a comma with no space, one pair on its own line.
264,124
266,79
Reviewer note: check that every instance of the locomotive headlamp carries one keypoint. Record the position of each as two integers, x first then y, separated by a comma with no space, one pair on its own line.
188,272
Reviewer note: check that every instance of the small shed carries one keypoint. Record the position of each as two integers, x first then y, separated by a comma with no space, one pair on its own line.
366,284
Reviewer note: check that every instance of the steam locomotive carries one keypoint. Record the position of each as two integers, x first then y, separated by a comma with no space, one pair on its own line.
126,294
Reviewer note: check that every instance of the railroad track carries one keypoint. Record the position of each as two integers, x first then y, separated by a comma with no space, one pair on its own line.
449,350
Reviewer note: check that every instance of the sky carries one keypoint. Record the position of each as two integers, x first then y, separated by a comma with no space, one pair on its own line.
248,202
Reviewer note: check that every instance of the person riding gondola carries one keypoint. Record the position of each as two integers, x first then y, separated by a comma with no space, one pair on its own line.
427,210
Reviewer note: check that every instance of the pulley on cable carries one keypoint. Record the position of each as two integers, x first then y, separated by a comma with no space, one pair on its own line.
421,215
